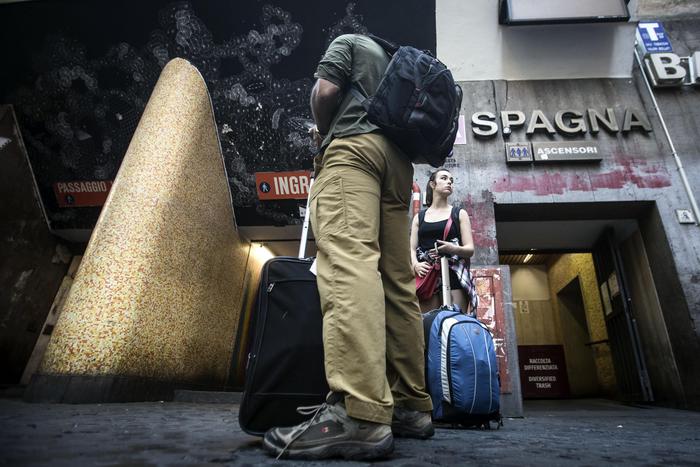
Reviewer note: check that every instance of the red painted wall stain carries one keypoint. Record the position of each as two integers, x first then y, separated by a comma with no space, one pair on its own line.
482,221
632,170
629,170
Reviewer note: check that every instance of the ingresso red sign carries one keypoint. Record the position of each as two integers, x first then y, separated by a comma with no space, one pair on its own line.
283,185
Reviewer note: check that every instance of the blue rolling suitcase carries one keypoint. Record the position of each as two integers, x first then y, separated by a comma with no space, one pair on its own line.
461,371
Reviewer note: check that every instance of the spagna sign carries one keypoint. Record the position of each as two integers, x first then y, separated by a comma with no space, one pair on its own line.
564,122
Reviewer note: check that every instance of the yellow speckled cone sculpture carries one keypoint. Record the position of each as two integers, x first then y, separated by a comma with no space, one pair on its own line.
157,295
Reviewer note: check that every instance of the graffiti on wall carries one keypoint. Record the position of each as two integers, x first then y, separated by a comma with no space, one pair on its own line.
79,91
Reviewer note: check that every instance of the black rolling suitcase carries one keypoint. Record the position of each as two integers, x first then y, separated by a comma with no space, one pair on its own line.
285,363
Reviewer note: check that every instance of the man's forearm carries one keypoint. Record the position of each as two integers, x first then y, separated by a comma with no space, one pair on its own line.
325,100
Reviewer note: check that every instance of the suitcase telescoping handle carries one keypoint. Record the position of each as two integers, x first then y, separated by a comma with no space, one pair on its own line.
445,272
305,226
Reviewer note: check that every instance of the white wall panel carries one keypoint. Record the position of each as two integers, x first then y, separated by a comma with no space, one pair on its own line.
472,43
529,282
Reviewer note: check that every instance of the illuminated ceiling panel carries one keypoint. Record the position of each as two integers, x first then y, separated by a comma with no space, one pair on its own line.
519,12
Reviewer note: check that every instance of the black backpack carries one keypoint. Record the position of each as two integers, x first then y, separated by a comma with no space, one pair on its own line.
416,104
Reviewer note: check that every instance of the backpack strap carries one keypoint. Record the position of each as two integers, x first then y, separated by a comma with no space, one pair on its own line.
455,220
390,49
364,101
448,226
421,216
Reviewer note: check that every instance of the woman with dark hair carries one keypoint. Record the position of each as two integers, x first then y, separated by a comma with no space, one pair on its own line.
428,229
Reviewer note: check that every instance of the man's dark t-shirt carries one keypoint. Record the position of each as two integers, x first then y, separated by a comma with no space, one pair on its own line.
352,59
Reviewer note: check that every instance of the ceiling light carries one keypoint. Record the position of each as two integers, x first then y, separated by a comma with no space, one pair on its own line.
528,257
262,252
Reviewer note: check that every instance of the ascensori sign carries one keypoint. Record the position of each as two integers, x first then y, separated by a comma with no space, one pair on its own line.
525,152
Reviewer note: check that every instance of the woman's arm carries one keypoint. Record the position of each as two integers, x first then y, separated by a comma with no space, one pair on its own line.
466,249
419,268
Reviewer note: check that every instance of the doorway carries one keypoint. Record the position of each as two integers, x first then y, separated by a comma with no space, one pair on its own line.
583,380
561,334
563,293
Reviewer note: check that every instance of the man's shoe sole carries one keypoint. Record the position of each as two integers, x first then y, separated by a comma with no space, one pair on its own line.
403,432
351,450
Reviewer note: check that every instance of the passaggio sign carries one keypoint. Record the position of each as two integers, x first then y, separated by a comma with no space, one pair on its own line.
81,193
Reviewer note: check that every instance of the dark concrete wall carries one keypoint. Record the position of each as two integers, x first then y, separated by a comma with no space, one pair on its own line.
666,383
680,107
32,261
674,249
680,301
636,167
654,10
680,326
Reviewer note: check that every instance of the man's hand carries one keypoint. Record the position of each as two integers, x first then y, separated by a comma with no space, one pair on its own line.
433,254
447,248
316,136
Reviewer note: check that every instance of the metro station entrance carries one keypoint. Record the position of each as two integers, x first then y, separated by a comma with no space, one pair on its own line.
588,318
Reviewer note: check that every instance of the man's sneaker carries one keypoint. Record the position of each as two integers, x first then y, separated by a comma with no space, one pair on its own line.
331,432
411,424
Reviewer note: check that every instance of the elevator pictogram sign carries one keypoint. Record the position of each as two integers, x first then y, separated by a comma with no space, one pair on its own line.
283,185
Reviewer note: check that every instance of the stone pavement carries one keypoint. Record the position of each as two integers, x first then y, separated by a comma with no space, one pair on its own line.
582,432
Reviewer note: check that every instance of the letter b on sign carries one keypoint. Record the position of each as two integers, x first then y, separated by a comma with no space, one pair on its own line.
666,68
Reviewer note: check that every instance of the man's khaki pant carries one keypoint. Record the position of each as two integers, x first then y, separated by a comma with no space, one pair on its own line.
372,327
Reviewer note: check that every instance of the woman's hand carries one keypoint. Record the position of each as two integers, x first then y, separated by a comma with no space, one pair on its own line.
421,269
448,248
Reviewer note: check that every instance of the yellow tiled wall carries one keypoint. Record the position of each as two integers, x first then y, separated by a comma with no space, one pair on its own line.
563,271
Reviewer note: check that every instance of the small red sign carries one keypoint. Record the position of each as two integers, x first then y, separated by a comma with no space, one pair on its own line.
461,137
82,194
543,371
489,286
283,185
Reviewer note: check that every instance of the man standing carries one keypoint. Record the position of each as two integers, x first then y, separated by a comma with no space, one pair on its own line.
372,328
